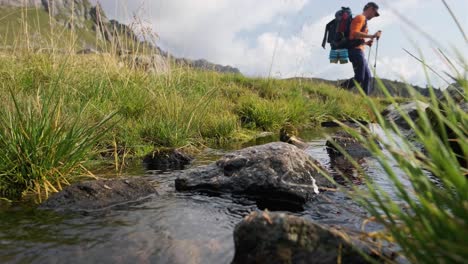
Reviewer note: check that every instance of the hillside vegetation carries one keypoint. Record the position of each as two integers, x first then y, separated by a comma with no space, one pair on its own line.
35,28
142,110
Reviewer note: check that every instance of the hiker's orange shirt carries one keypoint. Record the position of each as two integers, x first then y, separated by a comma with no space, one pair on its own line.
356,26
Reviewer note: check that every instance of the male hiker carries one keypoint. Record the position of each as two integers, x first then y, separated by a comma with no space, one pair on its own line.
359,32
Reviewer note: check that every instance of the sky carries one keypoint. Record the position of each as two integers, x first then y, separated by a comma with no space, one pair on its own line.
282,38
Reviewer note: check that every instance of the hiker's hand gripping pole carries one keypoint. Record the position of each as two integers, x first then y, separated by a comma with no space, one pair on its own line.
377,35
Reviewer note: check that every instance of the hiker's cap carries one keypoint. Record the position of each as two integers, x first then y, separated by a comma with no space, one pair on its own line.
373,5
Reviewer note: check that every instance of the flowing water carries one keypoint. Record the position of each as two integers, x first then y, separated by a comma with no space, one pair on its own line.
169,228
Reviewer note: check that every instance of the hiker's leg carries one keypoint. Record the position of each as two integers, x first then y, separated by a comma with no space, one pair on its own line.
356,57
366,85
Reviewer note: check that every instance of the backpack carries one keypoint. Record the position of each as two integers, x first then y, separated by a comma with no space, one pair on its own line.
337,31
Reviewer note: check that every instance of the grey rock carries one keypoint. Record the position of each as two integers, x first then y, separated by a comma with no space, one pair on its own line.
456,92
66,8
276,238
203,64
273,173
62,10
152,63
99,194
21,3
167,159
392,114
264,135
87,51
348,143
288,134
339,162
118,28
464,106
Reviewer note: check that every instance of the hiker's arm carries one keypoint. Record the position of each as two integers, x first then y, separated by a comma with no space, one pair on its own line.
357,25
359,35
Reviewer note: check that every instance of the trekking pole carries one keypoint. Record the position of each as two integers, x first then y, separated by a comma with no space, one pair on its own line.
375,63
368,55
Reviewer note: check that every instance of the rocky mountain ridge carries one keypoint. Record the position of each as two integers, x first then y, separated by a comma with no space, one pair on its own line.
80,9
79,14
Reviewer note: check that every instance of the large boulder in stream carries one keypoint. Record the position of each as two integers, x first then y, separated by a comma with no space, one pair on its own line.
99,194
275,173
276,238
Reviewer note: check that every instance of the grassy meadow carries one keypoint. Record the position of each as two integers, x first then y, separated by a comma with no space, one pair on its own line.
141,111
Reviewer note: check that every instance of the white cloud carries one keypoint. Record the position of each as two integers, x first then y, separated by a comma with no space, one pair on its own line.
210,29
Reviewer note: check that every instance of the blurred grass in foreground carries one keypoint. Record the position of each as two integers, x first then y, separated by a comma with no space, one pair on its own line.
429,218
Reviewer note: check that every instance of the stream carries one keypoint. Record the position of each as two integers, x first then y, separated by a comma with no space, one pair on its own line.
169,228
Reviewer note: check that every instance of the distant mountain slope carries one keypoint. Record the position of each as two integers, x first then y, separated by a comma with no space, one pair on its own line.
77,25
40,24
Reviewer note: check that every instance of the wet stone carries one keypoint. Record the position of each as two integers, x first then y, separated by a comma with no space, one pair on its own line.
99,194
341,164
392,114
276,238
288,134
275,173
167,159
348,143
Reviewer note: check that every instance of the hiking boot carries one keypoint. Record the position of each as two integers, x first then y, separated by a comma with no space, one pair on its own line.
347,84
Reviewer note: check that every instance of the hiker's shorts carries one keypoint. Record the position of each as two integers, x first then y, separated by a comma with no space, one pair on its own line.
339,55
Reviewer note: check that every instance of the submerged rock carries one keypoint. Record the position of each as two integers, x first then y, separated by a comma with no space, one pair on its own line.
275,173
350,123
99,194
348,143
280,238
288,134
166,159
339,162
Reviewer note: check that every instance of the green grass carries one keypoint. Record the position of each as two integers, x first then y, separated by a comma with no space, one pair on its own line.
42,149
185,107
